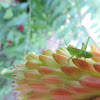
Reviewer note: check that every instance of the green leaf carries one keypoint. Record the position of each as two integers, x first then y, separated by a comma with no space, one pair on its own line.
62,19
5,5
23,6
8,14
6,73
94,25
21,19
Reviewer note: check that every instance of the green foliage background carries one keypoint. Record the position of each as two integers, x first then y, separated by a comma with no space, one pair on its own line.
41,19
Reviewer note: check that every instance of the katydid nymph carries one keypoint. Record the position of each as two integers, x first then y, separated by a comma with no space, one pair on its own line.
79,52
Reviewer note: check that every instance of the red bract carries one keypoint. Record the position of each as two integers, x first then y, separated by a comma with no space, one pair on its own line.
9,43
21,28
1,44
3,55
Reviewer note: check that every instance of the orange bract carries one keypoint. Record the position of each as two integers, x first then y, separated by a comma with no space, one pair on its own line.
95,49
97,67
83,64
96,53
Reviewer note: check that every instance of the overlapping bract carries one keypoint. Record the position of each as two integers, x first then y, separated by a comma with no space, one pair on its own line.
50,77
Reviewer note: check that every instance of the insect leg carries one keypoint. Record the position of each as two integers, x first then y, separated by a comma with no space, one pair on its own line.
85,47
70,58
80,53
82,48
94,43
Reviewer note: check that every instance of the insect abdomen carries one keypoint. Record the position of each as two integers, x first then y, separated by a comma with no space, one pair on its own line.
85,54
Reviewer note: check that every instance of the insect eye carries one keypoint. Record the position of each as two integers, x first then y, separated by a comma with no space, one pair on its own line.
67,48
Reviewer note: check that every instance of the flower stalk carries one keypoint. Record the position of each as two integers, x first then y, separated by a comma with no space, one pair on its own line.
50,77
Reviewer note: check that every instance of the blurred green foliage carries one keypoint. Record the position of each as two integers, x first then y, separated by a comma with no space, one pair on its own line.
39,20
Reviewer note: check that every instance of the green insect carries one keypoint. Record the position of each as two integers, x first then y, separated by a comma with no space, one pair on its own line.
79,52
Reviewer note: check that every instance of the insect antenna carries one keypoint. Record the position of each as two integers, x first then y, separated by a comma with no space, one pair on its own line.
63,37
49,40
95,43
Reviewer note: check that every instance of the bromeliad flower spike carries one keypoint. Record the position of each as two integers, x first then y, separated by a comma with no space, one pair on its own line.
50,77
